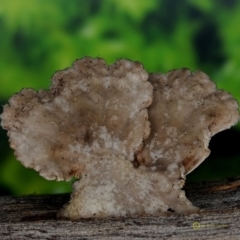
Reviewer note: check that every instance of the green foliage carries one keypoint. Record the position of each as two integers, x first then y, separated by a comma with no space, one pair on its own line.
39,37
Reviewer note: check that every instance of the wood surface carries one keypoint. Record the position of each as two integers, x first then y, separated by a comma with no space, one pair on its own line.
34,217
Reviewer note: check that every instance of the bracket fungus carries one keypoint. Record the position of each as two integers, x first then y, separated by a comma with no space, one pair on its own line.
131,137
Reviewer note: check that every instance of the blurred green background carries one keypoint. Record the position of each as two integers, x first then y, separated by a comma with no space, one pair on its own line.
38,37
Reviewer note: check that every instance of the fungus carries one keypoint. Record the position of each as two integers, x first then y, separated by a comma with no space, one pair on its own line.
186,112
129,136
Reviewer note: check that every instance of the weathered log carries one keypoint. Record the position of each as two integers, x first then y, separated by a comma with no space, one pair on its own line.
34,217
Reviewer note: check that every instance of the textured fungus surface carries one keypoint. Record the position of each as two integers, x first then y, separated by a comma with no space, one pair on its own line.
129,136
91,110
186,112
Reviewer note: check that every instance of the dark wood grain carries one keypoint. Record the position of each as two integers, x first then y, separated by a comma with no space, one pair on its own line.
34,217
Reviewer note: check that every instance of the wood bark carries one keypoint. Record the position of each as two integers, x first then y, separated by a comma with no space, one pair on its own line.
34,217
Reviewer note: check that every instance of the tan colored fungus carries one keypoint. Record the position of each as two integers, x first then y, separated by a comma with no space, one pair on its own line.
93,124
186,112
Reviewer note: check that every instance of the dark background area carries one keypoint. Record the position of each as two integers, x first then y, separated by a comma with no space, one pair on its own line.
40,37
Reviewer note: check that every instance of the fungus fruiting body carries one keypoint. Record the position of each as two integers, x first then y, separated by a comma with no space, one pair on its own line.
131,137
